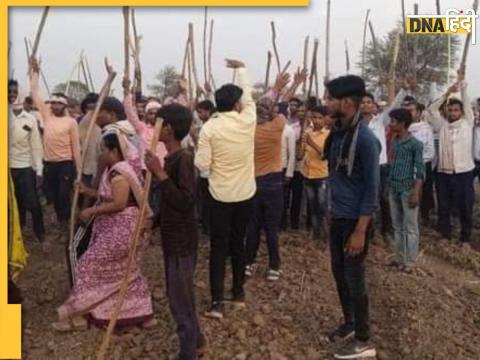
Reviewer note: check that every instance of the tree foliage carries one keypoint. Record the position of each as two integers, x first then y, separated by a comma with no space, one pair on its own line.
165,82
424,57
76,90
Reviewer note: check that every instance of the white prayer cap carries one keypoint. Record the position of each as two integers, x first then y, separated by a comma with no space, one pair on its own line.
153,105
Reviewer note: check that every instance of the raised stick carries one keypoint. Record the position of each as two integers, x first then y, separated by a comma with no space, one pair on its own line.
87,66
375,49
103,94
285,68
205,21
185,55
84,71
327,44
39,31
269,64
347,57
364,52
468,39
42,74
210,42
138,68
305,62
126,39
192,51
132,253
313,67
274,43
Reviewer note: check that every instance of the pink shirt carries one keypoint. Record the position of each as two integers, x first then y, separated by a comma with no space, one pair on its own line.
145,131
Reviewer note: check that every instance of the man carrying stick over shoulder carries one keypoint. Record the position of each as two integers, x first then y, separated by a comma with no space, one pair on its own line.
62,149
225,150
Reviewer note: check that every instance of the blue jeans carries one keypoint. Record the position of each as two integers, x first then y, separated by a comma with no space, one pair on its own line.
405,227
317,198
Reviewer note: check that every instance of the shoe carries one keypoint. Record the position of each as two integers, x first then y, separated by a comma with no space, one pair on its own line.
355,349
250,269
215,311
343,332
237,301
273,275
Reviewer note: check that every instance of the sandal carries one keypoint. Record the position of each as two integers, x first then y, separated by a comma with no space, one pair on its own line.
150,323
70,325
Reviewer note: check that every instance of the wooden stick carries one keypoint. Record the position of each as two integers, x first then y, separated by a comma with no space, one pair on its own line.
192,51
364,52
468,39
205,21
190,82
133,250
185,55
375,49
437,3
347,57
407,52
75,67
313,67
84,71
396,50
89,74
274,42
27,51
327,44
138,69
42,74
103,94
126,39
210,41
269,63
39,31
285,68
316,81
305,62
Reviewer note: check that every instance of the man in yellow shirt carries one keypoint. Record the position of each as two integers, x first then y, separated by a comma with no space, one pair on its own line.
225,151
315,171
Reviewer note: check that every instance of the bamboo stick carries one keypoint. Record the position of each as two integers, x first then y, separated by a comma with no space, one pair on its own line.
39,31
126,39
210,42
269,63
364,51
132,253
190,82
327,44
305,62
42,74
205,22
437,3
185,55
103,94
347,57
468,39
84,71
192,51
313,67
375,49
89,74
285,68
274,43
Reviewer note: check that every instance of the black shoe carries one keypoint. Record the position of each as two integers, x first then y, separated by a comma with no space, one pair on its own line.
355,349
215,311
343,332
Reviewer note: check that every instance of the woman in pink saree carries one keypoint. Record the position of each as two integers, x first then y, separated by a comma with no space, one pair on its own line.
101,269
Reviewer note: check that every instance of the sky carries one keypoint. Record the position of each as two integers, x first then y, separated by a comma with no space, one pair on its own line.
242,33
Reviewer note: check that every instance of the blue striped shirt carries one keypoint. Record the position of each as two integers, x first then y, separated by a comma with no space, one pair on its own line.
407,165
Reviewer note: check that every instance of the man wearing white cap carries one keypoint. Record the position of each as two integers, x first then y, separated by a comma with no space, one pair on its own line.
25,156
62,149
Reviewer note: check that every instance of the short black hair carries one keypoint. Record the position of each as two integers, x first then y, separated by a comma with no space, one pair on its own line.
320,109
12,82
112,104
347,86
111,143
227,96
206,105
295,100
28,100
402,116
409,99
90,98
455,101
312,102
178,117
369,95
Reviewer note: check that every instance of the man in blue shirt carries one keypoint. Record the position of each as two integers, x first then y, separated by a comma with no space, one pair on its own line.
353,154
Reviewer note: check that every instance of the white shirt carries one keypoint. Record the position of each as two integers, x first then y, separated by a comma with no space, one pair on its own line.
456,139
288,150
25,147
423,132
225,149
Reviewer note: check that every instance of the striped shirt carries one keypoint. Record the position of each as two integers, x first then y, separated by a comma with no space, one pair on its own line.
407,165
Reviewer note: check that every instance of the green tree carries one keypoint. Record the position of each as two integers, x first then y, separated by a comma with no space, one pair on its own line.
424,57
76,90
165,82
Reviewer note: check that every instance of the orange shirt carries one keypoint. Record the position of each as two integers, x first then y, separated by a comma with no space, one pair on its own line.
268,146
314,167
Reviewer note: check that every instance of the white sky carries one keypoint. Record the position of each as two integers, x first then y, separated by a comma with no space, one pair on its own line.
242,33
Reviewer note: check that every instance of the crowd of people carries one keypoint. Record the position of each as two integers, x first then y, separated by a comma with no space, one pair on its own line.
340,166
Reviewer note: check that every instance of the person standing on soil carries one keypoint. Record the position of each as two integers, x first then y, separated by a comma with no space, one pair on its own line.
315,171
407,172
455,160
177,211
268,200
25,159
225,151
353,152
61,150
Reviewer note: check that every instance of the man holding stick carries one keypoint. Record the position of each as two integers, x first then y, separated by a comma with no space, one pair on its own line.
225,150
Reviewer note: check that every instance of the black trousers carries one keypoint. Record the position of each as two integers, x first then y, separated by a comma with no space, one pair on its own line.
59,178
25,183
296,187
228,226
477,170
385,216
349,274
456,191
203,205
427,203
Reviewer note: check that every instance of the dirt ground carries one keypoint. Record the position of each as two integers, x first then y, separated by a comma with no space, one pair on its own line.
431,314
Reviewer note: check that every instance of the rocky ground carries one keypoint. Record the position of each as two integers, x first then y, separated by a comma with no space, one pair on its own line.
433,313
